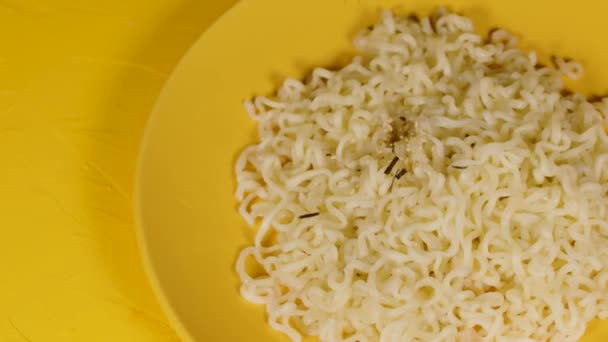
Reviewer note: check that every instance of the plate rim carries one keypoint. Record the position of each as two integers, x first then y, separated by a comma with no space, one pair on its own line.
138,206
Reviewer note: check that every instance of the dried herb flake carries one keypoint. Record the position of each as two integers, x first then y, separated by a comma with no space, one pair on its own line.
400,173
390,166
309,215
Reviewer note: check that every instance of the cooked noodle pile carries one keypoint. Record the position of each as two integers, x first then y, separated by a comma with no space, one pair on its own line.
440,187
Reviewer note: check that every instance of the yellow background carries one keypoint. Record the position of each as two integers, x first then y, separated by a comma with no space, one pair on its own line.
77,81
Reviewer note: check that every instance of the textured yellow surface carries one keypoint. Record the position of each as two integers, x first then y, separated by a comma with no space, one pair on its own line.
77,81
190,227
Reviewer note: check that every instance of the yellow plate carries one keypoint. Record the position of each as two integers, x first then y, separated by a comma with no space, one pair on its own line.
190,231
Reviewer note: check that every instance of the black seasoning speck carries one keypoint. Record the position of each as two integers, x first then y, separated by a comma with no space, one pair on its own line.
400,173
390,166
309,215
